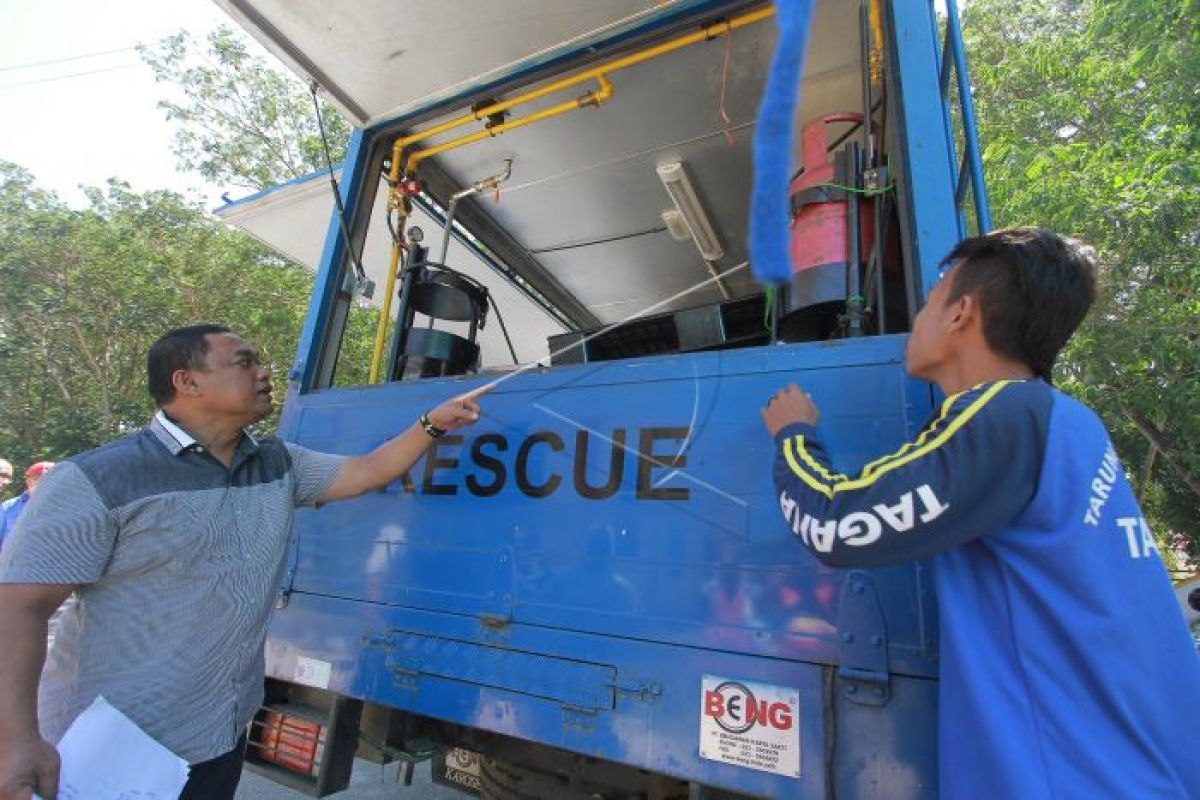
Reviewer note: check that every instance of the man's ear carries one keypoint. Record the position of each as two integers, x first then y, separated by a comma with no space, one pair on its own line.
964,312
184,383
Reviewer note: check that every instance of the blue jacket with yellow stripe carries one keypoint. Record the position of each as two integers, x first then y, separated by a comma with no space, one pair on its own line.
1067,667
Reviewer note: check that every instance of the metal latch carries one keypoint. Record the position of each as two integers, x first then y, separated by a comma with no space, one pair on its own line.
646,691
863,672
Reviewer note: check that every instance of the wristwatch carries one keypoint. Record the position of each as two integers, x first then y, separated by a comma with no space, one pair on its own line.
433,430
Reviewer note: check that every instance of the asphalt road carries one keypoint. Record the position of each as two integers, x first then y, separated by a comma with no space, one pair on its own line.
367,782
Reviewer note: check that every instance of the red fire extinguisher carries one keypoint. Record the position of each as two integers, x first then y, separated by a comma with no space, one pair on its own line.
819,201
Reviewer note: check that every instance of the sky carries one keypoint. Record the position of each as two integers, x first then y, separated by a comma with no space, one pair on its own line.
92,114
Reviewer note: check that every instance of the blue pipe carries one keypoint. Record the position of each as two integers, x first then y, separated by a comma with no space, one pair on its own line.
941,65
983,213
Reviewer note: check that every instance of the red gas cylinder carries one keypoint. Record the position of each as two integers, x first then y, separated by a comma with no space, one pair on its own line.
819,232
820,236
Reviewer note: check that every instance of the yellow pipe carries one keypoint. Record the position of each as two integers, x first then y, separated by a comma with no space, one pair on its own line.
876,15
592,98
396,246
390,290
381,328
705,33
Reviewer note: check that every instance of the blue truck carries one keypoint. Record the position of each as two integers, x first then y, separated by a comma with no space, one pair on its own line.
591,593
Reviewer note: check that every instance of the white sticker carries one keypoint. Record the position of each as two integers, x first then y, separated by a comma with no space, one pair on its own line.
311,672
752,725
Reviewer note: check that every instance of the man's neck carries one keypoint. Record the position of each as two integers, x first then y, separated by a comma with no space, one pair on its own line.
962,375
218,436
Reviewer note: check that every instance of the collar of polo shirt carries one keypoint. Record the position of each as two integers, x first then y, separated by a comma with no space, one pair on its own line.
185,439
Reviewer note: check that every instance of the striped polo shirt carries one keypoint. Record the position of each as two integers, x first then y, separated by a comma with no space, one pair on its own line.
178,560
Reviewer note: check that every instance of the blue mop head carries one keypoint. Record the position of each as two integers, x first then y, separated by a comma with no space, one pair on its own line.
769,258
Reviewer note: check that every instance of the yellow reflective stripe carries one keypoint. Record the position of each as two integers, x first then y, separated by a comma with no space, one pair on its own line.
812,482
895,463
925,434
962,419
817,466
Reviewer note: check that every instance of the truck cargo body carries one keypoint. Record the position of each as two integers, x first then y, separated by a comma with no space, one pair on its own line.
595,583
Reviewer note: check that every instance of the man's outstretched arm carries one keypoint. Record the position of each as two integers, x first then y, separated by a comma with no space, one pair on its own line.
970,472
396,456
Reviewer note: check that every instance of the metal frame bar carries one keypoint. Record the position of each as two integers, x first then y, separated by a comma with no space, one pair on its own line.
944,66
926,169
951,57
983,213
328,282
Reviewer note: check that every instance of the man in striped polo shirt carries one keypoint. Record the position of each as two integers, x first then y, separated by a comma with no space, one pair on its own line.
174,538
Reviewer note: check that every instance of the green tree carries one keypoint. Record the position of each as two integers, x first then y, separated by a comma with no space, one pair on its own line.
244,122
1090,122
87,291
240,122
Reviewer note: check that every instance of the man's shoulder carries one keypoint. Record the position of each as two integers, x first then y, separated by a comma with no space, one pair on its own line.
1008,401
270,442
125,468
122,453
274,449
1075,417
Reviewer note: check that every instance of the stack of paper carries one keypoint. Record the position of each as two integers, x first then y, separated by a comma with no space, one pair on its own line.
105,756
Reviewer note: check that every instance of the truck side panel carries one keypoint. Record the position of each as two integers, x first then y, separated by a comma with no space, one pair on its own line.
522,585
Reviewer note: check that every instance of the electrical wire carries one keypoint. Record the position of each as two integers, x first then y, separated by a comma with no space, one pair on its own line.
769,308
606,240
622,159
729,140
82,56
863,192
66,77
504,330
392,229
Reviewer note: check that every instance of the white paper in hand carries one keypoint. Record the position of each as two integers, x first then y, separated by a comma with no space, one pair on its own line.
106,756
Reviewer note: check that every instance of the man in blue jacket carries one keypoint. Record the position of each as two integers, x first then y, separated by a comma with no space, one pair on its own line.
1067,667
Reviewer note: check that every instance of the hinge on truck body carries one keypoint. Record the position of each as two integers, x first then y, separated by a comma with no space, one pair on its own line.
862,643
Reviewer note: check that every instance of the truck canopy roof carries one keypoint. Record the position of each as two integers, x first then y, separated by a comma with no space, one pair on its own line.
587,177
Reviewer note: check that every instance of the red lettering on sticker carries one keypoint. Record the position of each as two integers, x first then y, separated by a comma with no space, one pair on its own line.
714,704
757,712
773,715
780,716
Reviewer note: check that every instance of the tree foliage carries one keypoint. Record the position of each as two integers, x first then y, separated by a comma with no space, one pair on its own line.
244,122
240,122
1090,120
87,291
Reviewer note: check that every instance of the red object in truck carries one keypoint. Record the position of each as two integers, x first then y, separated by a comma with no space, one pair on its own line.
289,741
819,234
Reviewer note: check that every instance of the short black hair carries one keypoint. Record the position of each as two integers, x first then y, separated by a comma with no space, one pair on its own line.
180,348
1034,288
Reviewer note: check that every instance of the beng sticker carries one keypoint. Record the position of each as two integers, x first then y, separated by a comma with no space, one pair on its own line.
752,725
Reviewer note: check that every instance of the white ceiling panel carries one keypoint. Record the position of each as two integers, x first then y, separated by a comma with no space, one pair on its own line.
375,57
590,174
